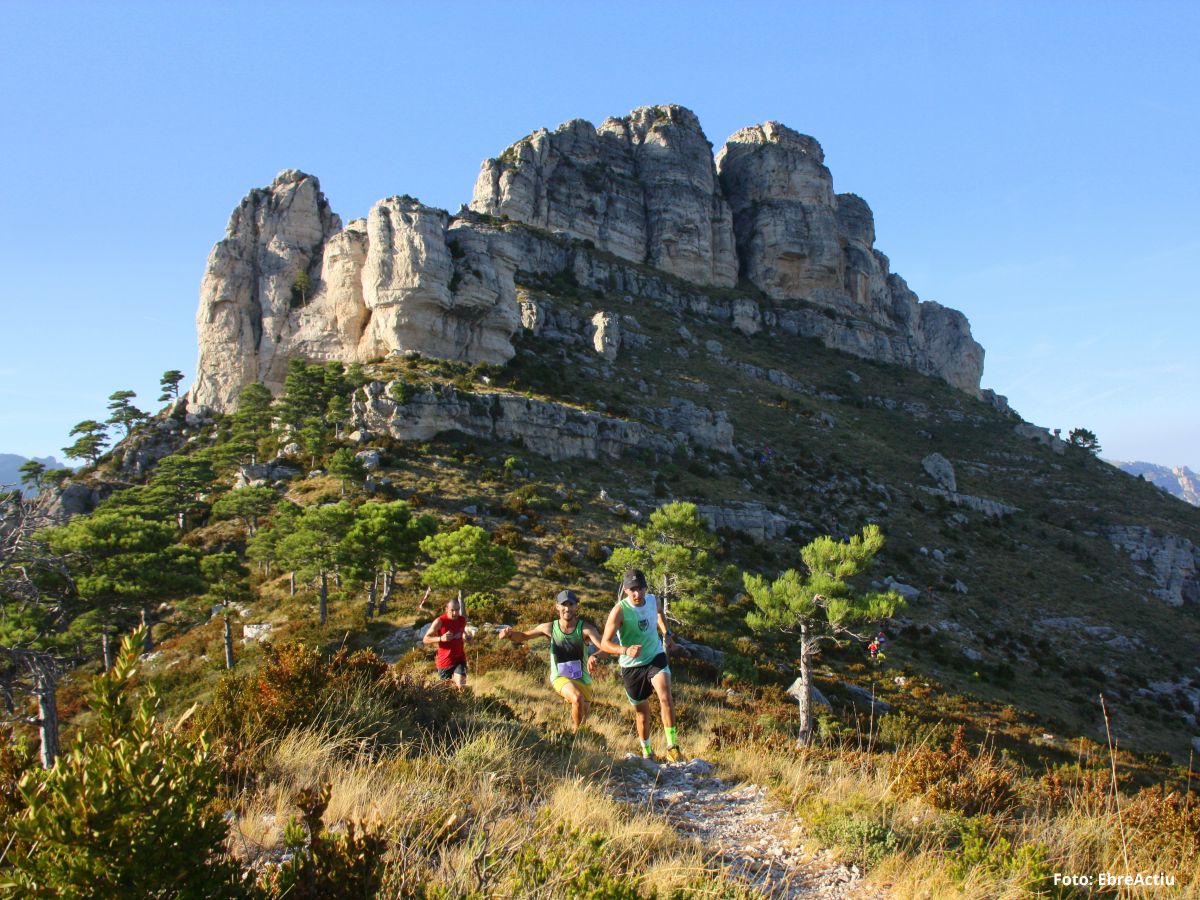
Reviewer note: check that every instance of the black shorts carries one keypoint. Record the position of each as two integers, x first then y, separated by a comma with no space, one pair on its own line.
637,678
456,669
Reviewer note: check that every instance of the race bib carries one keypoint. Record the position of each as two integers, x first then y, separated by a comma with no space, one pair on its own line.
572,668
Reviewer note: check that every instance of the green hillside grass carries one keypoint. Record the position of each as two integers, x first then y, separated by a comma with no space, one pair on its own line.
847,440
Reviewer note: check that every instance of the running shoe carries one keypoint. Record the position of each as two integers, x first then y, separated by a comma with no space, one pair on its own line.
674,754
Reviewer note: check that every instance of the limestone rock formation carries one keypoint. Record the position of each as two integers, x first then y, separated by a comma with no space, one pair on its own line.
940,470
798,240
1173,562
634,208
642,187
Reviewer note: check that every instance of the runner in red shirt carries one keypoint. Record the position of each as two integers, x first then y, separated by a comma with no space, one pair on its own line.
448,633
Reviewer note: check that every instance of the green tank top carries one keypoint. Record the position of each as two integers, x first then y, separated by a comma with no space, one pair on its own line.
569,653
639,625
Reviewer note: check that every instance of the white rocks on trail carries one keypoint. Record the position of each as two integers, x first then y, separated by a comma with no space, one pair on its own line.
755,839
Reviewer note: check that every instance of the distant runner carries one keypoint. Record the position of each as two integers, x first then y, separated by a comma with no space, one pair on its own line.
632,633
571,666
449,634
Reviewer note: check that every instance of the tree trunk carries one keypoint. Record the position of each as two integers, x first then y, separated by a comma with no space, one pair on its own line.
371,596
148,624
291,584
106,651
45,687
389,581
804,738
337,578
228,644
324,605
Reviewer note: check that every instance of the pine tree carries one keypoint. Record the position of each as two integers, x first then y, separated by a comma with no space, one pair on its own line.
383,539
467,560
314,548
821,605
674,549
93,439
123,413
249,504
170,385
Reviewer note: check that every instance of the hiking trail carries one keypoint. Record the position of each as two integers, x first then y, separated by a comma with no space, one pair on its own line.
757,841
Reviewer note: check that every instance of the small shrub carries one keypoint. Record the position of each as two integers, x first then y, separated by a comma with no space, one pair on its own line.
863,841
982,848
569,865
738,669
953,778
510,536
129,811
487,606
323,864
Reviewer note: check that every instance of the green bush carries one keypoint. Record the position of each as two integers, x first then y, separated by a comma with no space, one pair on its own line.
863,841
982,847
128,811
487,606
569,866
355,696
325,865
738,669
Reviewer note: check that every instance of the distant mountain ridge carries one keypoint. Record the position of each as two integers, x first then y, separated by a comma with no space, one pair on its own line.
10,467
1178,481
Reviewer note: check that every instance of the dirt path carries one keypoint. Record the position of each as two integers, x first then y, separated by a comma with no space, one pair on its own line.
755,838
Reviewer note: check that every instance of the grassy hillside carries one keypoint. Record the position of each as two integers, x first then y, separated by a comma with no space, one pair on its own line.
1022,621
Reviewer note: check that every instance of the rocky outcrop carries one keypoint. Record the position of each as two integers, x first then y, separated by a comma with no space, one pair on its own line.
288,281
550,429
941,471
993,509
1173,562
634,208
798,240
705,427
643,187
274,242
749,518
1042,436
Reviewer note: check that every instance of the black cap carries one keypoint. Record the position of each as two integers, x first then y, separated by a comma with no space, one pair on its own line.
567,596
633,579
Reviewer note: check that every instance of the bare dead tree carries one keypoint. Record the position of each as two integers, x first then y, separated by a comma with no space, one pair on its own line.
26,564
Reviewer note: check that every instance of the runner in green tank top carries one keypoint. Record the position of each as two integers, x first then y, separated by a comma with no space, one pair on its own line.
571,665
632,632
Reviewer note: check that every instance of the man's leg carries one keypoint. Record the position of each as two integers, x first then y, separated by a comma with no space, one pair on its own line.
641,715
460,676
573,695
662,687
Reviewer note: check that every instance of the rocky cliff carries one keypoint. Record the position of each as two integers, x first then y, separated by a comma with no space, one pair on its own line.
755,238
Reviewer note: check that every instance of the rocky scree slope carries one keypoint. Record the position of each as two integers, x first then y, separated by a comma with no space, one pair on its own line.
755,239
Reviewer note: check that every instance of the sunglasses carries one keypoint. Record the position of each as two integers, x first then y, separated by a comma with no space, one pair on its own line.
568,602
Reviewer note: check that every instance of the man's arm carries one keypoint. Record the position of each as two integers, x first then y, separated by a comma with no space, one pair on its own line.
593,635
607,644
430,636
520,637
668,641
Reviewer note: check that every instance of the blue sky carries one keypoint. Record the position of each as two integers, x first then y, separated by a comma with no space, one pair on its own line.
1031,164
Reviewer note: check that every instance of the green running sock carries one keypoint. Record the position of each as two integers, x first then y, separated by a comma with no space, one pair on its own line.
670,731
646,749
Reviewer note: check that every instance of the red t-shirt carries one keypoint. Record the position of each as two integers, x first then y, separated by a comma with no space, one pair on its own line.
452,652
